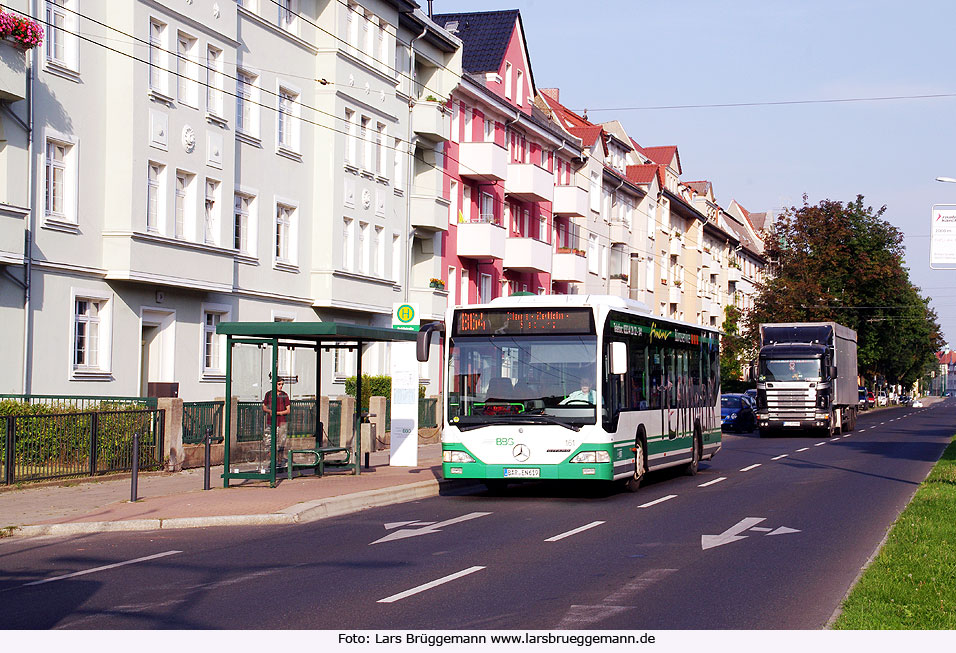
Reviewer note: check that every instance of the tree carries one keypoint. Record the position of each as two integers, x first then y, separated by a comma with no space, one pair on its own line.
733,347
843,263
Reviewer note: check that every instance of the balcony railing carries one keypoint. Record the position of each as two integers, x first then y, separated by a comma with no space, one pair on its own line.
431,120
527,255
481,240
570,200
483,161
429,211
13,72
529,183
569,266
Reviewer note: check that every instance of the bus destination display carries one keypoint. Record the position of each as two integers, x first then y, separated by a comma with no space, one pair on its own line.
484,322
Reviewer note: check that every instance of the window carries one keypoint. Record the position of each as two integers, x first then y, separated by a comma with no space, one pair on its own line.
158,57
213,344
595,193
380,150
187,70
247,103
399,154
453,198
214,81
288,15
508,80
519,92
241,223
348,244
489,130
211,213
86,340
154,195
468,113
487,207
396,257
184,210
57,160
365,243
365,147
286,357
61,41
288,120
284,230
484,289
466,202
593,262
378,253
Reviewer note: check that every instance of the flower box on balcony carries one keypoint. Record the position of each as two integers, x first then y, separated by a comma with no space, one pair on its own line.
20,30
619,277
437,284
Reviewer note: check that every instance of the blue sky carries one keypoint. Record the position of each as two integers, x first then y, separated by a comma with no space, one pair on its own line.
618,59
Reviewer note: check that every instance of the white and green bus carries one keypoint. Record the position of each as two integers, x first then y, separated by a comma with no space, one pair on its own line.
574,387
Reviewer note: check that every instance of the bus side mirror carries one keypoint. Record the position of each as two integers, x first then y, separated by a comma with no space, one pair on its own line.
424,340
618,358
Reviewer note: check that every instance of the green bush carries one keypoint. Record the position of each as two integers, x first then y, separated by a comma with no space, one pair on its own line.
374,386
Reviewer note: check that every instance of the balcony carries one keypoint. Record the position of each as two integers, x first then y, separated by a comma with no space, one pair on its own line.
481,240
569,266
149,258
676,247
674,295
733,274
432,302
431,120
13,72
12,225
482,161
527,255
570,201
620,233
707,261
617,286
429,212
529,183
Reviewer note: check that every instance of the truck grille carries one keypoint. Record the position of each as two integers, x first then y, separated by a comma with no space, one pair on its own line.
791,404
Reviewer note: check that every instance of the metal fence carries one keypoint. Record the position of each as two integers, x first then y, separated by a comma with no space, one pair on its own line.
427,413
251,419
63,445
79,403
198,416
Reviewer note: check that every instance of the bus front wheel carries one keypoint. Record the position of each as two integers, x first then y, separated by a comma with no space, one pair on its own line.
640,466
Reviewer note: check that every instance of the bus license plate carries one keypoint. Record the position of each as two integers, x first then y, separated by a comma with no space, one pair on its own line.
522,473
791,423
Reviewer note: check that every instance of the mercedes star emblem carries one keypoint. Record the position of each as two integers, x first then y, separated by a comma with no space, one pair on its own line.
521,453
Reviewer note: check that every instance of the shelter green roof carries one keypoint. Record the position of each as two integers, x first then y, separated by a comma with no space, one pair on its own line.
314,331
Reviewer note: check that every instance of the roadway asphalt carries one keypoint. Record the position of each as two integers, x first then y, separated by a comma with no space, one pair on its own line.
177,500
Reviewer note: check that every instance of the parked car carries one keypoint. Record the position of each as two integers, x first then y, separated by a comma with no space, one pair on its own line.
863,404
737,413
917,403
881,398
752,393
870,400
904,400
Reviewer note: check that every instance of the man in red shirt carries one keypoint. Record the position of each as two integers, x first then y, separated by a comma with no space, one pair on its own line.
283,408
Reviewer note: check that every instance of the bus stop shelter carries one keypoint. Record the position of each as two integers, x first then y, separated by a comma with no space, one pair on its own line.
258,356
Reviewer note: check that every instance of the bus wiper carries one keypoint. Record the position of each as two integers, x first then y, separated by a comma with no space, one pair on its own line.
551,420
518,419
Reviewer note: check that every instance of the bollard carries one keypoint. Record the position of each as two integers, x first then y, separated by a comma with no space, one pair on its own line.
205,484
135,480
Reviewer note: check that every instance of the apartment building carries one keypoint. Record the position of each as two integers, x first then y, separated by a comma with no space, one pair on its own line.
504,163
193,163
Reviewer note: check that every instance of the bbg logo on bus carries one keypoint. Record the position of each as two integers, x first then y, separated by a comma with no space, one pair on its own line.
405,316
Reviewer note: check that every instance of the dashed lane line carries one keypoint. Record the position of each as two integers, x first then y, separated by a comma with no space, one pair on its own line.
428,586
804,449
713,482
574,531
747,469
657,501
819,444
780,456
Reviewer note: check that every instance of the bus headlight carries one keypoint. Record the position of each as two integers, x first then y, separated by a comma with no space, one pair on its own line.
592,457
456,457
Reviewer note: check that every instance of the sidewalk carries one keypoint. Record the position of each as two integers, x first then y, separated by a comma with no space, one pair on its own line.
177,500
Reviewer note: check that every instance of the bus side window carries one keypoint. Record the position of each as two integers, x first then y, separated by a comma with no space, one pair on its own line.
637,369
656,379
614,389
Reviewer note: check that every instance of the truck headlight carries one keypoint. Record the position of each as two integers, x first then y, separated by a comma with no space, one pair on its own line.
592,457
449,456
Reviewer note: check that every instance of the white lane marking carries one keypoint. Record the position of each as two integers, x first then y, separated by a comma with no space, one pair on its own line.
761,529
781,456
804,449
432,527
847,435
574,531
657,501
428,586
713,482
747,469
835,439
103,568
819,444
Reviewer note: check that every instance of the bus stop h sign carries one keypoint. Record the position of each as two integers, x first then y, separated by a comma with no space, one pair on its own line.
405,316
942,247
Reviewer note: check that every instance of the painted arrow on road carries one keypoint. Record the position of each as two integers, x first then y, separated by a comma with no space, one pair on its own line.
426,529
733,533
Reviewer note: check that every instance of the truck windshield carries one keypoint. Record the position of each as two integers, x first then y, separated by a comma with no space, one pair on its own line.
522,379
789,369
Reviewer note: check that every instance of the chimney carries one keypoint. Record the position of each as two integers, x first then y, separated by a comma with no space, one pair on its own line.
553,93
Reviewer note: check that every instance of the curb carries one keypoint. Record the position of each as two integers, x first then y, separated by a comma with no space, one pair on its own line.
301,513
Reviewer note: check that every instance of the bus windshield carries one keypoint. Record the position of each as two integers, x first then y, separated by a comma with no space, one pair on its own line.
789,369
547,379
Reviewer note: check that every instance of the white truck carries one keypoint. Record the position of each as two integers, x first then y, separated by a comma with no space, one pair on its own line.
806,377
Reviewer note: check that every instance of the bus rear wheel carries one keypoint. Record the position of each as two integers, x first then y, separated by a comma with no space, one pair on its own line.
632,483
694,464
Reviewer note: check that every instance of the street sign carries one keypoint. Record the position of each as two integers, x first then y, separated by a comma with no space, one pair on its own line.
405,316
942,244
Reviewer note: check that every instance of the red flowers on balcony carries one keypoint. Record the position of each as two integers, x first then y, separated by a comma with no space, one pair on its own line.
21,30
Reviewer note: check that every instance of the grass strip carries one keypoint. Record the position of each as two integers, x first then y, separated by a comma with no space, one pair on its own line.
911,584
